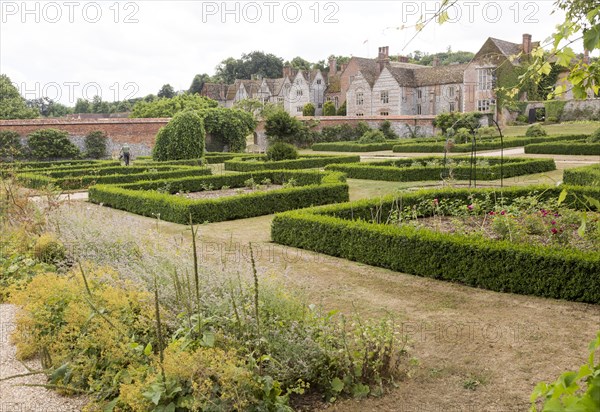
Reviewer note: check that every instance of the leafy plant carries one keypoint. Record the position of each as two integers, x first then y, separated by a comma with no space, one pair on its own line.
10,145
388,131
182,138
51,144
535,130
308,109
328,108
281,151
95,144
372,136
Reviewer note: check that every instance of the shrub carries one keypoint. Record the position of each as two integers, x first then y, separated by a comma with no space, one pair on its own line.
308,109
281,151
362,128
456,120
372,136
572,148
49,250
281,127
352,147
535,130
582,176
240,165
10,145
228,126
594,137
522,119
51,144
169,107
95,144
328,108
342,109
182,138
387,130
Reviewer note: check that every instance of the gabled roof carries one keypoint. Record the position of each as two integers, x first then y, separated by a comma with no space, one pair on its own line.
428,76
215,91
369,69
404,76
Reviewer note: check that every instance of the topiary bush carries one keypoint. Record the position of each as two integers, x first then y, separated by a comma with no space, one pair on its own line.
328,108
10,145
535,130
228,126
49,250
182,138
281,151
594,137
95,144
342,110
372,136
47,144
308,109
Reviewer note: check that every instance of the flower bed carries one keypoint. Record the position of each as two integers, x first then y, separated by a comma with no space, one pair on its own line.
304,162
154,198
572,148
375,232
583,176
433,168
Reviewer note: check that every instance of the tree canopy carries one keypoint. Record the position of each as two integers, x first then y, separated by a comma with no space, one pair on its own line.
166,107
12,104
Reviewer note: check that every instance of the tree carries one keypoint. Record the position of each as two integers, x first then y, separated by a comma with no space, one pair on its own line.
255,63
198,82
166,91
328,109
169,107
12,104
46,144
95,144
182,138
308,109
82,106
281,127
257,108
228,126
299,63
10,145
342,109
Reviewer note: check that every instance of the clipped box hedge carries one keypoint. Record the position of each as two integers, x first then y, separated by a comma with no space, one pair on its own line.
501,266
487,144
209,158
245,165
572,148
155,198
56,164
583,176
353,146
401,171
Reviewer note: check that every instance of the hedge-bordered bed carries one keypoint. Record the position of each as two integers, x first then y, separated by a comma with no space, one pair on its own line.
69,179
209,158
59,164
346,231
353,146
487,144
571,148
402,170
158,197
583,176
304,162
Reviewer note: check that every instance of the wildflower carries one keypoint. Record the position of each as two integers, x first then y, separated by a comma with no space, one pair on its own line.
492,213
435,201
554,230
503,212
470,207
553,222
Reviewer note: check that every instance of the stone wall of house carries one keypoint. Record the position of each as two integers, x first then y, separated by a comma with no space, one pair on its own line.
359,85
581,110
386,83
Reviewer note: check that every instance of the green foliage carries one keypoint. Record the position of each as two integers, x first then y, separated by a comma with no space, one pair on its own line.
594,137
12,105
168,107
58,164
342,109
49,250
166,91
229,126
182,138
388,131
51,144
255,63
456,120
95,144
352,147
316,188
308,109
555,108
281,151
372,136
329,108
582,176
10,145
281,127
573,148
240,165
346,231
572,391
535,130
340,133
431,168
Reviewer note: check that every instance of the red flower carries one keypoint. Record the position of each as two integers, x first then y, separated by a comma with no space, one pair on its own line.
554,231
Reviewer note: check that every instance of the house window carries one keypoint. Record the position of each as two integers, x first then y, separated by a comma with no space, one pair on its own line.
451,92
483,105
320,106
452,107
384,113
360,114
419,109
319,81
419,94
299,93
360,98
299,109
280,100
336,100
385,97
485,79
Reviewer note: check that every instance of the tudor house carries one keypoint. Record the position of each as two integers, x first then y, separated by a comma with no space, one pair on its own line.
381,87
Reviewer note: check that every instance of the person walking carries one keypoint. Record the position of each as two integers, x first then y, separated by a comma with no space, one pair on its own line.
125,153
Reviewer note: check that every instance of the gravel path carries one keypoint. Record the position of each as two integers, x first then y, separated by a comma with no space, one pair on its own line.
16,398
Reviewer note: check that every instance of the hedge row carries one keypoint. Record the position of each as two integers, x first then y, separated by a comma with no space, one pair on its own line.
583,176
319,188
494,144
389,172
53,164
573,148
242,165
74,182
353,147
496,265
210,158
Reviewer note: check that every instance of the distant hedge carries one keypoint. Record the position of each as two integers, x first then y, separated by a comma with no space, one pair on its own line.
353,147
487,144
56,163
157,198
501,266
244,165
583,176
401,170
572,148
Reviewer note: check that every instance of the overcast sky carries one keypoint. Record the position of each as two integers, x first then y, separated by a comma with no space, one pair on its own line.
70,49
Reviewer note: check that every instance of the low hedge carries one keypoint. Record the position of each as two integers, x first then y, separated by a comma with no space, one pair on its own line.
573,148
74,182
400,170
209,158
56,164
496,265
317,188
493,144
353,146
244,165
583,176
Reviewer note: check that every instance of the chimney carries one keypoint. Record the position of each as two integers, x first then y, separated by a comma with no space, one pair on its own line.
332,66
435,62
526,43
586,57
343,67
383,57
287,71
402,59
